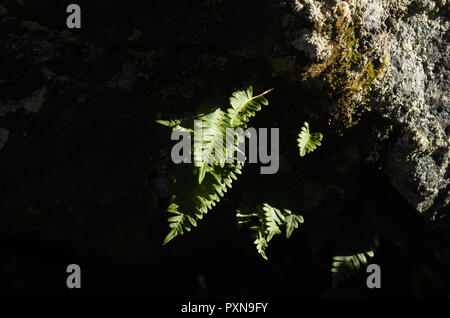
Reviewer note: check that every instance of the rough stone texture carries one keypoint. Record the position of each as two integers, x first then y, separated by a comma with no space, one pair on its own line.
414,93
82,161
314,45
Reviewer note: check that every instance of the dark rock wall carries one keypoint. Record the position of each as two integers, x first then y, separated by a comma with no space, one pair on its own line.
83,165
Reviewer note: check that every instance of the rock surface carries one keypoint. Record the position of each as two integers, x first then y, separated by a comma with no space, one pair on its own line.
416,93
413,91
82,162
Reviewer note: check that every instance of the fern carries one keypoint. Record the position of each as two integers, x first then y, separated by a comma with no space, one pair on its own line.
214,128
192,200
292,222
184,124
355,239
269,219
266,221
308,142
210,150
344,267
244,105
261,244
199,187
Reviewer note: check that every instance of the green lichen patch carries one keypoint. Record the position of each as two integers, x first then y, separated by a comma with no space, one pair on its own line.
347,76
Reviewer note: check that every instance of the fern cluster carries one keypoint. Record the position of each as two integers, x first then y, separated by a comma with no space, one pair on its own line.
266,221
200,186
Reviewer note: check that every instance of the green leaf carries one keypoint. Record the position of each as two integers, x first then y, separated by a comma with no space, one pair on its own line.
193,200
292,221
211,148
184,124
198,187
272,219
346,266
244,105
169,123
266,221
308,142
261,245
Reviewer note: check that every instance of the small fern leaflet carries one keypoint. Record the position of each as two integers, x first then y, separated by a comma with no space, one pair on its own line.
265,222
344,267
244,105
308,142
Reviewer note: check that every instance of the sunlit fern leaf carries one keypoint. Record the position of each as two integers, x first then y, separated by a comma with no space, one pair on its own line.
308,142
244,105
184,124
346,266
199,187
193,200
261,245
169,123
213,147
265,221
272,220
245,217
292,222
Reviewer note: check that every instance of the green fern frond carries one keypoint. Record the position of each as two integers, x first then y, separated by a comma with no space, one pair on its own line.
184,124
308,142
261,245
292,222
355,239
169,123
272,219
244,105
346,266
265,222
214,147
199,187
193,200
